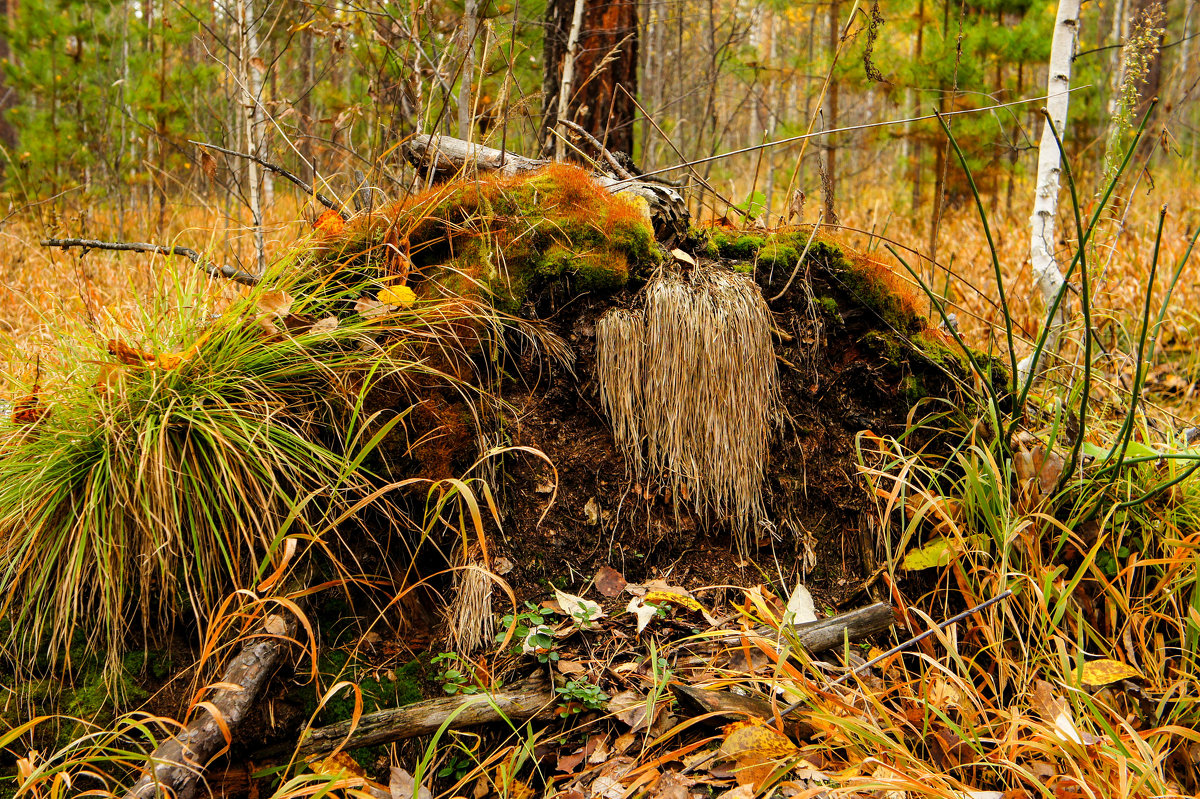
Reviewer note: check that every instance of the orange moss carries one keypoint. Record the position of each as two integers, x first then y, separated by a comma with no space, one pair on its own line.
506,237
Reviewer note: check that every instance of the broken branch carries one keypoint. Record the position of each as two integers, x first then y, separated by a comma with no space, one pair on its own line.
533,699
177,766
278,170
232,273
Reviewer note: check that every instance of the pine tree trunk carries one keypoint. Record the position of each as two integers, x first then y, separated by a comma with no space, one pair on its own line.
591,78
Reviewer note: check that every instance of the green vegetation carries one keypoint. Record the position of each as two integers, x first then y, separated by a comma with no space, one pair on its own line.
509,240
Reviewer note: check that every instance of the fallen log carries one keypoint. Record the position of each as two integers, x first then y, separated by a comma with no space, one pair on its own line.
825,634
533,699
446,157
177,766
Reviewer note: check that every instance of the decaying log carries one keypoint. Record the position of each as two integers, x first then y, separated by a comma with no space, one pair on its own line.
447,157
825,634
177,766
533,699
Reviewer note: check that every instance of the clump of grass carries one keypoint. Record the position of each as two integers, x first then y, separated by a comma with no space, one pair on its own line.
165,467
690,384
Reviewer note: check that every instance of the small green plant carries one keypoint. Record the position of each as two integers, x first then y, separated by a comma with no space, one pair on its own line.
456,675
529,633
581,695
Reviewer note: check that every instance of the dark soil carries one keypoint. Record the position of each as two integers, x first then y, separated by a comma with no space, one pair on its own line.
842,371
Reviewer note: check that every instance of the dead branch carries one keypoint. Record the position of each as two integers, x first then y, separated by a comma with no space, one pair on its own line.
621,171
278,170
825,634
229,272
448,157
533,699
177,766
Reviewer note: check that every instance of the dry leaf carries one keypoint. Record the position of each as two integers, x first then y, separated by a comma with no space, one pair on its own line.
629,706
609,582
208,165
757,750
326,325
1099,673
643,612
258,64
1056,710
800,606
403,786
369,308
584,612
401,296
330,223
277,304
683,257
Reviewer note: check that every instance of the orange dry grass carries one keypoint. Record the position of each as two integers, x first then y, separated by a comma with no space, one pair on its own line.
43,290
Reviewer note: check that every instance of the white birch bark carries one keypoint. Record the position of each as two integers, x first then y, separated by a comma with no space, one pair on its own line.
1046,273
251,81
566,84
468,69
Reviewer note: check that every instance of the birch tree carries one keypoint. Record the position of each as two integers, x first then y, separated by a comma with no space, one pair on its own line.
1046,273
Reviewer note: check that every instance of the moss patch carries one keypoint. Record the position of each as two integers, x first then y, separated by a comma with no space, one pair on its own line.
847,283
506,238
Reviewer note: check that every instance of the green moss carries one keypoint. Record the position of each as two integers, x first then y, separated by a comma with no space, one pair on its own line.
913,388
829,306
736,246
509,239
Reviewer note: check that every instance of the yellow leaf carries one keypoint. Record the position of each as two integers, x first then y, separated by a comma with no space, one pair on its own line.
758,750
398,295
1098,673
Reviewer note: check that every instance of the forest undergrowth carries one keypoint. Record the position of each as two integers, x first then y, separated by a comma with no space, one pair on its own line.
1084,682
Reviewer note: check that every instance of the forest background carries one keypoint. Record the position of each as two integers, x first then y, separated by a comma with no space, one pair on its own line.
103,103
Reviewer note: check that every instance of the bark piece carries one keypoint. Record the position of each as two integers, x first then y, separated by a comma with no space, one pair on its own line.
176,767
533,699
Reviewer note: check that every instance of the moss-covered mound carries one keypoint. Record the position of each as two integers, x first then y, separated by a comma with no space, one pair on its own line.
510,238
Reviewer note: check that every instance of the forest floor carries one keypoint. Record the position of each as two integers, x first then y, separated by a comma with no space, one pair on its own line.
672,657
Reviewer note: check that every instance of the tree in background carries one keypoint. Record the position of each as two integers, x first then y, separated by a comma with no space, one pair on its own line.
590,61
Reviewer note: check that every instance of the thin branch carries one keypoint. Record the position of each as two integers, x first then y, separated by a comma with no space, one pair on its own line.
278,170
621,171
229,272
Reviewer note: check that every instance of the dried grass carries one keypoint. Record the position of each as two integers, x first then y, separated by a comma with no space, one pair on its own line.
689,382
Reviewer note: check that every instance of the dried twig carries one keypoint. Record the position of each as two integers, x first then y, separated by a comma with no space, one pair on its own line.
229,272
278,170
621,171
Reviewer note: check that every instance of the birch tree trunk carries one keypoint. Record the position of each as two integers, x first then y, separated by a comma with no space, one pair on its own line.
468,70
1046,273
251,80
568,73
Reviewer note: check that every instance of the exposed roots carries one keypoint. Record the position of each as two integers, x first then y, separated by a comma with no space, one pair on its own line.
690,385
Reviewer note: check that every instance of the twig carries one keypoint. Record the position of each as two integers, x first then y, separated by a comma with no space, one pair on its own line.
902,646
232,273
645,176
621,171
278,170
800,260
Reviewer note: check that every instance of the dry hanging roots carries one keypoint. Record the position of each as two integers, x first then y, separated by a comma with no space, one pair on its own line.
690,385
